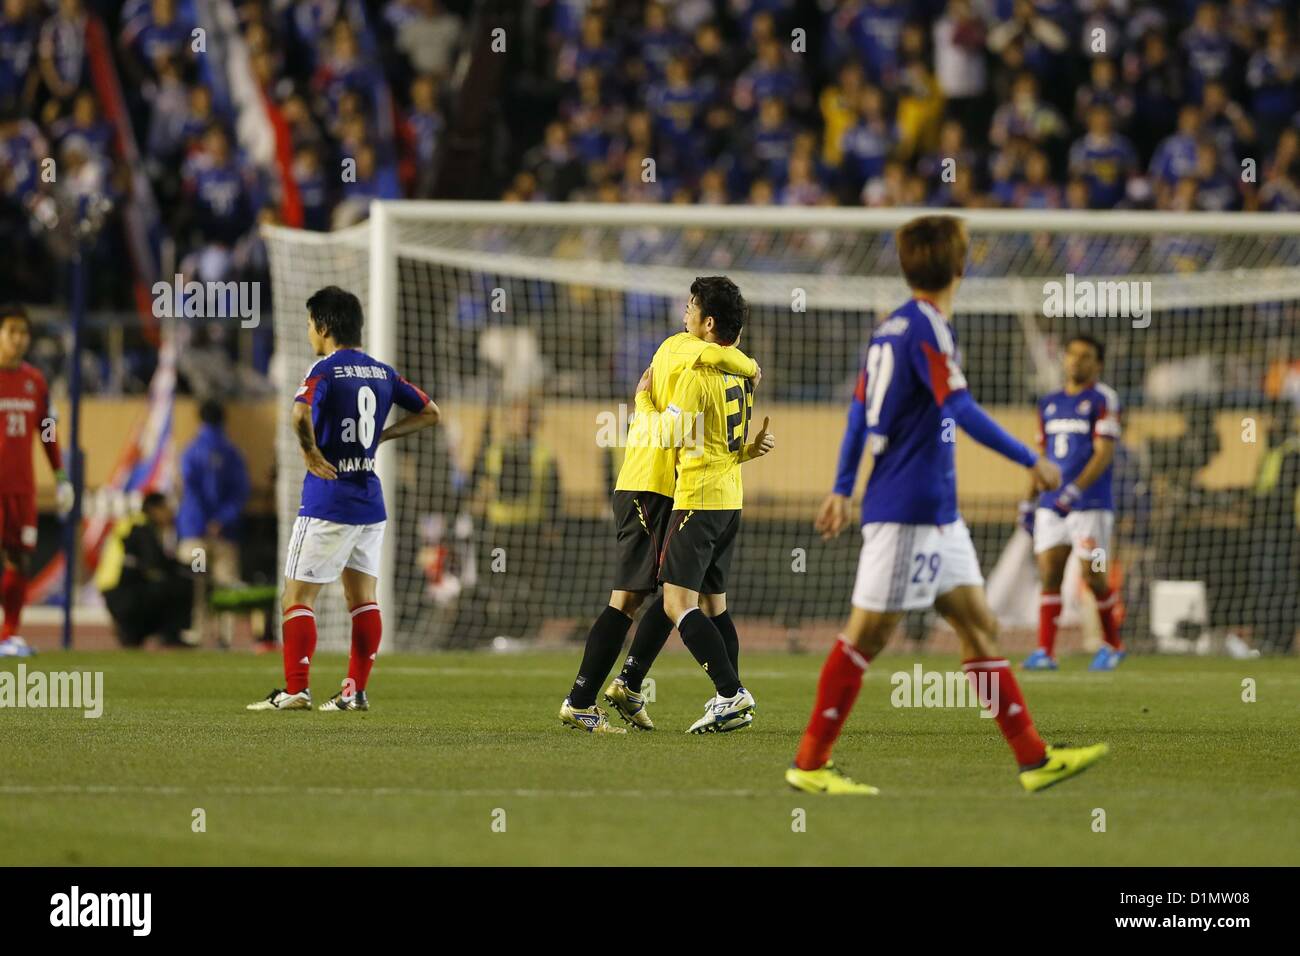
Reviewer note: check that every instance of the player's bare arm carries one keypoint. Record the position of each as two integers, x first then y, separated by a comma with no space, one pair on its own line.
316,462
833,515
1040,445
1046,476
427,417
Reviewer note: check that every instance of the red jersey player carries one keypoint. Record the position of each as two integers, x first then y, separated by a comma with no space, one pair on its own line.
24,412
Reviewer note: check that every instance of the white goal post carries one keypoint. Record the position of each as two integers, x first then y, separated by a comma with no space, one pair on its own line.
496,307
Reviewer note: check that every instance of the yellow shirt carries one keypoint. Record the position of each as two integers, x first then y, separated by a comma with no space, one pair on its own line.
918,118
707,421
651,462
112,559
838,117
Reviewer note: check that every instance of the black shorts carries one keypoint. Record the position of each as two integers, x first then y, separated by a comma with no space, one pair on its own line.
697,553
641,518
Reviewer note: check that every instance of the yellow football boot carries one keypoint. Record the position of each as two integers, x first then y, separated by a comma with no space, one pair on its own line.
1062,763
827,779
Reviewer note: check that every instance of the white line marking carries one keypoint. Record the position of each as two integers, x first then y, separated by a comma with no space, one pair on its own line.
77,790
878,674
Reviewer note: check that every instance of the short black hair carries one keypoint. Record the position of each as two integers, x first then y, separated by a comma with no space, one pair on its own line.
12,310
720,298
337,313
212,412
1089,340
152,500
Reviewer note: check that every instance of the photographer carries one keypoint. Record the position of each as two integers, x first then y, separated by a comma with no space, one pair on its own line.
146,589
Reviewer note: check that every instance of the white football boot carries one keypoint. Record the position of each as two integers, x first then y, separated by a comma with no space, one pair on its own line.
283,700
16,647
722,713
737,723
357,701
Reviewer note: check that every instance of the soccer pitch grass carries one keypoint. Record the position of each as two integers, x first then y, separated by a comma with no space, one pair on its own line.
1195,775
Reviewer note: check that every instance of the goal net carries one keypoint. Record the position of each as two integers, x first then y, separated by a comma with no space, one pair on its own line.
530,325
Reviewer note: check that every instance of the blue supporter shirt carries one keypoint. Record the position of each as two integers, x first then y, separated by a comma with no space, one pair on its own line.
865,148
17,54
350,395
155,41
1175,158
1273,96
877,32
1069,427
223,208
1209,58
1105,166
215,485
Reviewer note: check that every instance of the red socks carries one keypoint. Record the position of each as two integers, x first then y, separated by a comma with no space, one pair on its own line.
13,594
837,689
1106,608
367,629
841,679
997,688
1049,610
299,629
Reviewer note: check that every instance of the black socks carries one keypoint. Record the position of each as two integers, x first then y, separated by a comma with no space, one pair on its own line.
730,639
651,636
604,642
703,640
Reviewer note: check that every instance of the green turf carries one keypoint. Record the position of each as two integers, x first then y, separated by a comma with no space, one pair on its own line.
1196,776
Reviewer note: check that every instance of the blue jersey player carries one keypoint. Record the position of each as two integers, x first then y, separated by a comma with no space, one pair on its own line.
338,418
1077,429
916,553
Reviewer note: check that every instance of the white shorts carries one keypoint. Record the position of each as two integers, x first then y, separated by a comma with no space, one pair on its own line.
1085,531
319,550
904,567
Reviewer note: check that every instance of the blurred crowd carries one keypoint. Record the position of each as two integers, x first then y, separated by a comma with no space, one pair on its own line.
273,111
1040,104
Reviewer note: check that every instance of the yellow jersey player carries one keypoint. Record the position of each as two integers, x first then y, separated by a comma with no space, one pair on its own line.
707,422
642,504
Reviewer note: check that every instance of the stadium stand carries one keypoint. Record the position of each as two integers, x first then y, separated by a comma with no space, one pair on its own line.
1096,104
